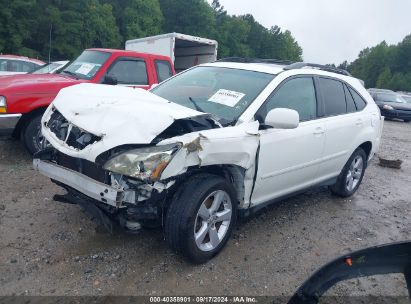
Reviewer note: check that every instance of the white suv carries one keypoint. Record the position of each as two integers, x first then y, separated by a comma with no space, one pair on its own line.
215,142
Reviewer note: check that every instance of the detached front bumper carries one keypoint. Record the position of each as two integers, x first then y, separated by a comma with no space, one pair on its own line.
8,122
80,182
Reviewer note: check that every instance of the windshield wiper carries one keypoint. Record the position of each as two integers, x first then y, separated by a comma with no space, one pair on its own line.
198,108
220,121
75,75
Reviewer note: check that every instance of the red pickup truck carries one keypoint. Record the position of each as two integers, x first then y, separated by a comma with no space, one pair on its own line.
24,98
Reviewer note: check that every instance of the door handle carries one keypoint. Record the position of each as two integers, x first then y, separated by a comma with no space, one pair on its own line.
319,131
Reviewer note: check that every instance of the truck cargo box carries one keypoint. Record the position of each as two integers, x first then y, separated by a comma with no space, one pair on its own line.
185,50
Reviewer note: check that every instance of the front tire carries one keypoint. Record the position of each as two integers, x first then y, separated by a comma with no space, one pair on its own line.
201,217
351,175
31,135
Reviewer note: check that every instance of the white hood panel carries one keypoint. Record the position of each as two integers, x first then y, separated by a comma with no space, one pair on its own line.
120,115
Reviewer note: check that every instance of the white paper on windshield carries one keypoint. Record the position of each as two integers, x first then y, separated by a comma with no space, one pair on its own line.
226,97
85,68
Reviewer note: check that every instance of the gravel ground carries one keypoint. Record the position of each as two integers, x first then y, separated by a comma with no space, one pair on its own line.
49,248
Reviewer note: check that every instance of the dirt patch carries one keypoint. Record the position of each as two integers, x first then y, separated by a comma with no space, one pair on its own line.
49,248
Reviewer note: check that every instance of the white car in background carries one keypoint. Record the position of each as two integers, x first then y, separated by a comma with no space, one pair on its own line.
12,64
50,68
214,142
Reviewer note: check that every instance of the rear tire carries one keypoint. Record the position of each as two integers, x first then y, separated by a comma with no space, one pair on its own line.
351,175
201,217
31,135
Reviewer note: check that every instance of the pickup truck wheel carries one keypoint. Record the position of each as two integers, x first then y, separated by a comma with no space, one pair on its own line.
201,217
351,175
31,135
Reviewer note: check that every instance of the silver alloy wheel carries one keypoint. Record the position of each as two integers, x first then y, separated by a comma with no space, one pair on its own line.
354,173
213,220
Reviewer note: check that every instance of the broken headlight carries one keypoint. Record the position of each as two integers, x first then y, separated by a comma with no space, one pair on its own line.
144,163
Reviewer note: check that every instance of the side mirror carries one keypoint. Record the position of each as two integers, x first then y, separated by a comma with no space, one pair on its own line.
110,79
282,118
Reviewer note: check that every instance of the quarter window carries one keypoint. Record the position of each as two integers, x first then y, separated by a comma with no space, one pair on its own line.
163,69
297,94
359,101
350,101
130,72
334,97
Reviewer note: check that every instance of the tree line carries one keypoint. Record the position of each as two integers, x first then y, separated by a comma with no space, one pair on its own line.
384,66
61,29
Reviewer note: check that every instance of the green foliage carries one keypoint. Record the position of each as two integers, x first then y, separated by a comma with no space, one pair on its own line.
25,27
193,17
385,66
16,22
384,78
137,18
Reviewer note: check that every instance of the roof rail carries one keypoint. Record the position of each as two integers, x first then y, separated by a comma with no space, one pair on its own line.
300,65
256,60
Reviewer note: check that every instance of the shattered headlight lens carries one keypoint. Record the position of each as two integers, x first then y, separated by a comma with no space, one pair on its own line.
144,163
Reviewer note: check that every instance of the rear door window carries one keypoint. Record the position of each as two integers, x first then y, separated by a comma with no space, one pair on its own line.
15,66
27,66
163,70
130,71
334,96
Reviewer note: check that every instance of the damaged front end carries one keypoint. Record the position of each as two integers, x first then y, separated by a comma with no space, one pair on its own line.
124,167
111,198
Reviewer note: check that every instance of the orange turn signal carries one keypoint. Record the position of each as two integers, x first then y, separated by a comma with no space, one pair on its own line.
156,173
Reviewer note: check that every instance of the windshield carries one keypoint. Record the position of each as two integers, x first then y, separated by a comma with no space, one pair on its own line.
389,97
47,68
226,93
407,98
87,64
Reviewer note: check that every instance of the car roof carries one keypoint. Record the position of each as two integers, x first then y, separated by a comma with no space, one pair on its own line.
275,68
125,52
257,67
385,92
380,90
22,58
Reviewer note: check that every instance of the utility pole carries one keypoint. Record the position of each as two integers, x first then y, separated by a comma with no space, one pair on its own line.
51,28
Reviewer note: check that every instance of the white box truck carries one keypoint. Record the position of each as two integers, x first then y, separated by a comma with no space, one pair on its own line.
184,50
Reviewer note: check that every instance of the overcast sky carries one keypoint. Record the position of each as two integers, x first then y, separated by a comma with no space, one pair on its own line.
331,31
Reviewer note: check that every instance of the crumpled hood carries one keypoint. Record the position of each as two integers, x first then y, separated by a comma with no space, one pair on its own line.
120,115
